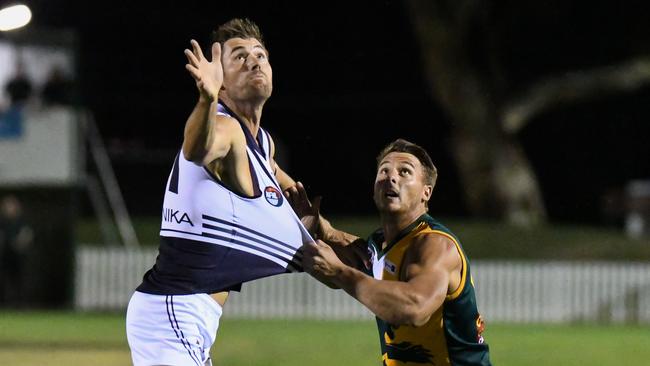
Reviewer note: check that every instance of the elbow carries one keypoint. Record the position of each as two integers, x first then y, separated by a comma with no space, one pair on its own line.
419,311
419,318
415,317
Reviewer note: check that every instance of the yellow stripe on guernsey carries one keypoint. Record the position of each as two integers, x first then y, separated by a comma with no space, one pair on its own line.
425,344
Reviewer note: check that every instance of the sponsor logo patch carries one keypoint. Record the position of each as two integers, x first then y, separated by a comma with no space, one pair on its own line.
273,196
389,266
179,217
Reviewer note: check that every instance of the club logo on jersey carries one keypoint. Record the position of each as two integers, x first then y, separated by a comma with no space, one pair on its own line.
273,196
389,266
171,215
480,328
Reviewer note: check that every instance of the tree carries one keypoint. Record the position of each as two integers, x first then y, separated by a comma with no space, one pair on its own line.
497,177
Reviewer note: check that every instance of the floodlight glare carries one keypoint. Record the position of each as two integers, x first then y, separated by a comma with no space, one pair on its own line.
14,17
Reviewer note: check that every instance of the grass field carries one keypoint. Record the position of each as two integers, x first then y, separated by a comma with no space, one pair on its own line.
71,339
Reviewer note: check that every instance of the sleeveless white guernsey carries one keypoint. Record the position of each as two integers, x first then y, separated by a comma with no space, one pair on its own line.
213,239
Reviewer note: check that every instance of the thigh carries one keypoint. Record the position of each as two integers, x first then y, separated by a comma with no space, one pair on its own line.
170,330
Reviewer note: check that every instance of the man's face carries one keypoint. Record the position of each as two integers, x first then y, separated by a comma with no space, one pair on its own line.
400,185
247,72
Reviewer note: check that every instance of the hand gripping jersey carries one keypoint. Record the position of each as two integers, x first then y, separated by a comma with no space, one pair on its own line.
213,239
453,334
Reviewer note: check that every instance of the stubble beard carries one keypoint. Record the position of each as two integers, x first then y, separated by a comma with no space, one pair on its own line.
257,93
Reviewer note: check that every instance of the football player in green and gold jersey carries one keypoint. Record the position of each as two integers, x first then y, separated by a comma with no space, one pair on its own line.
412,273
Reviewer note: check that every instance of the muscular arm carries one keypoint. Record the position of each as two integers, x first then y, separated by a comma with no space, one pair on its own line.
430,262
283,178
203,140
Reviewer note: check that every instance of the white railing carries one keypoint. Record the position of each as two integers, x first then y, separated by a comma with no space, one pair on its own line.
507,291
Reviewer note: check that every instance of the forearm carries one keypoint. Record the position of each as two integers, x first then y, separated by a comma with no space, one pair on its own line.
333,236
393,301
199,130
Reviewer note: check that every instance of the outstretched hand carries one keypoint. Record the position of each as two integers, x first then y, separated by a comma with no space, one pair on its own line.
207,74
307,211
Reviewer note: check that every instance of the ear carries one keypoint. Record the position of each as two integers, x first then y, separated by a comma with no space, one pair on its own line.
426,192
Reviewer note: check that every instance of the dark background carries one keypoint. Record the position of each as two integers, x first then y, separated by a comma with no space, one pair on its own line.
347,80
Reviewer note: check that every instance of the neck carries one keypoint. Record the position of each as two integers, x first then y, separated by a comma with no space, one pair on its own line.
250,113
394,223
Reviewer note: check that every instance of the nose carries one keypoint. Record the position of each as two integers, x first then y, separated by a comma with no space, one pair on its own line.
252,62
390,175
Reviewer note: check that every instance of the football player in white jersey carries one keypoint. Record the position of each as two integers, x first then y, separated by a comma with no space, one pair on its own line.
173,316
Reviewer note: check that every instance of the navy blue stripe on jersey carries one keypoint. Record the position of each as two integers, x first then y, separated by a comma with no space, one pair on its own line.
291,264
254,145
268,174
256,186
268,138
250,140
177,329
185,266
260,143
173,181
224,230
215,219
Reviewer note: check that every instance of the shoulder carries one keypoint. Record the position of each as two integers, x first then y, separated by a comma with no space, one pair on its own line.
225,121
433,246
226,124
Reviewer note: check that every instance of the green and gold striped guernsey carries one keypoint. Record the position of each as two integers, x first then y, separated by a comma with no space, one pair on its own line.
453,334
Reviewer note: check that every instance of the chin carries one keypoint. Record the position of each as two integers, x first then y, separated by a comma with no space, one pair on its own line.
388,208
261,91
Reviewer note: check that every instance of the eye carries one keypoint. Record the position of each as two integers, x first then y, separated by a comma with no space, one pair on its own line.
405,171
240,57
261,56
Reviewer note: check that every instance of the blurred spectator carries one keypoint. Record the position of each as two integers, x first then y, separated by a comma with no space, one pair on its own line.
16,238
637,219
58,89
19,88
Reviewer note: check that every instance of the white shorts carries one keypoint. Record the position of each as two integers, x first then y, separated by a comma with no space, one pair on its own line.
171,330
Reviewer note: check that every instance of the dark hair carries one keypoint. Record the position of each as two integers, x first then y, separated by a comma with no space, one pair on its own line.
403,146
237,28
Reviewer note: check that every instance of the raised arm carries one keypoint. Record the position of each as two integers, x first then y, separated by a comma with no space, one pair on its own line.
205,140
432,269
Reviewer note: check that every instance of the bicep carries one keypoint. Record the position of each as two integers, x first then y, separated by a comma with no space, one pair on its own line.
221,140
431,263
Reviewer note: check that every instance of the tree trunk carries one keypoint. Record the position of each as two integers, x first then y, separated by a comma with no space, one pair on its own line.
496,176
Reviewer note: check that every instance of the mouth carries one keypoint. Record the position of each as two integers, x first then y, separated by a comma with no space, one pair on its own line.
257,75
391,193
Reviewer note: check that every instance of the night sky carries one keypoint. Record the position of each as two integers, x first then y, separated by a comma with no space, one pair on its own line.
347,80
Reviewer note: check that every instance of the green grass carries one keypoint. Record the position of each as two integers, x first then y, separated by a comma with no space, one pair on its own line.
71,339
